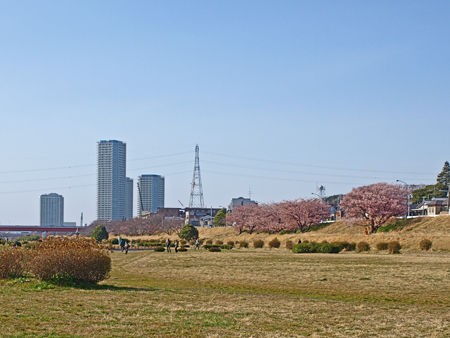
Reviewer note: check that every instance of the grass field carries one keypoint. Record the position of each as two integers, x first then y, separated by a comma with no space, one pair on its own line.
242,292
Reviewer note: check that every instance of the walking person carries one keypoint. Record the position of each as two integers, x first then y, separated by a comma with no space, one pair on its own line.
197,244
127,246
176,246
168,243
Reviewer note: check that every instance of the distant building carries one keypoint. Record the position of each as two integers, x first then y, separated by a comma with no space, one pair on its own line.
52,210
200,216
240,201
70,224
111,181
151,191
129,198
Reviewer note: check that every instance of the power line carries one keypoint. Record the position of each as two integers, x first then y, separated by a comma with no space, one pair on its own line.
298,172
313,165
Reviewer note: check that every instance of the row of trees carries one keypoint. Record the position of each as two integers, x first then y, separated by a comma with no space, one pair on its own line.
276,217
375,204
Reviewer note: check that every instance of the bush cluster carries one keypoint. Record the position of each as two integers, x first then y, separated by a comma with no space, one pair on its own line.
362,246
258,243
58,260
425,244
394,247
274,243
313,247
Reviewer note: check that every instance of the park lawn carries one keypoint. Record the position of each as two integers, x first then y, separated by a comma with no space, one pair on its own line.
242,292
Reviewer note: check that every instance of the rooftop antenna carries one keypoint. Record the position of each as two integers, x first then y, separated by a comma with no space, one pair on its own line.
196,198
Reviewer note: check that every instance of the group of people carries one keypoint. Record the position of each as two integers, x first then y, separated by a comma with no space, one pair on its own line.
177,245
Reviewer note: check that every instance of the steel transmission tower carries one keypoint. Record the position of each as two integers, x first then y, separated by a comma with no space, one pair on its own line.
196,199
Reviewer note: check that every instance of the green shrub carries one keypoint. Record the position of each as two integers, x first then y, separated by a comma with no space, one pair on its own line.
115,241
382,246
394,247
258,243
304,247
425,244
76,259
329,248
100,233
243,244
159,249
313,247
12,262
188,232
362,246
214,248
274,243
289,244
226,247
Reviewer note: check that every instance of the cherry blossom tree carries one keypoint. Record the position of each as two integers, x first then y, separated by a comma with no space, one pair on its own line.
301,214
244,218
375,203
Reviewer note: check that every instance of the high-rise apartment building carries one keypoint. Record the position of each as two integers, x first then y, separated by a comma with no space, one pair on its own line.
111,180
52,210
150,193
129,198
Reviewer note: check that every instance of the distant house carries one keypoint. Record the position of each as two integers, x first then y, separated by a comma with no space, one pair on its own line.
240,201
433,207
437,206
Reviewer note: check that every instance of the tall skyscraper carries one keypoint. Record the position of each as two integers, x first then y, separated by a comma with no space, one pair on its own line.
111,180
150,193
52,210
129,198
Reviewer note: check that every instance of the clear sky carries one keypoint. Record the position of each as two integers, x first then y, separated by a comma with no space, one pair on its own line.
281,96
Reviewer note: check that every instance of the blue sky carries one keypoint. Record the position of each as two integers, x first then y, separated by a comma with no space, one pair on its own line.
281,96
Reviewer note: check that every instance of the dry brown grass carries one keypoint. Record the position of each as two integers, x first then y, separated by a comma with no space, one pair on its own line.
242,293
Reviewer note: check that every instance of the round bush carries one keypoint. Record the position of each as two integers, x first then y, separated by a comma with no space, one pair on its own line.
188,232
230,243
75,259
362,246
243,244
115,241
214,248
394,247
219,242
425,244
289,245
274,243
258,244
382,246
159,249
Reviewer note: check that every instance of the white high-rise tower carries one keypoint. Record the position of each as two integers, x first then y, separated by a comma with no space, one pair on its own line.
111,181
